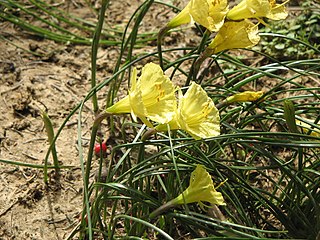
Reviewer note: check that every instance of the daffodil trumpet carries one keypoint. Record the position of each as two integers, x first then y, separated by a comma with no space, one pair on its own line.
151,97
207,13
233,35
195,113
201,189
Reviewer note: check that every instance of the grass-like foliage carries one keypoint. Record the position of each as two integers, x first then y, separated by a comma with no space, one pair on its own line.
265,162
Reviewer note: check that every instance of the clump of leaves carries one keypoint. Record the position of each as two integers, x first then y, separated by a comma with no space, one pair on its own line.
304,27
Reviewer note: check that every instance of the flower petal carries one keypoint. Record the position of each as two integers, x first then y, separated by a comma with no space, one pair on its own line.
201,189
209,13
197,113
151,96
257,9
157,93
278,12
138,108
235,35
246,96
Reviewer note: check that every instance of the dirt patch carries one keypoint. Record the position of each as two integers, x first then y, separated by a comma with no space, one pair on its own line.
27,209
54,82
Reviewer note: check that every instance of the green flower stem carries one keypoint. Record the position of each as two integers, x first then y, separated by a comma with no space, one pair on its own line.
162,209
94,51
222,104
289,115
94,131
198,61
95,128
148,134
161,34
29,165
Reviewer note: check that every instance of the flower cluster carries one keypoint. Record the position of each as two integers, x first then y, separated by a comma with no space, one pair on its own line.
155,100
152,97
233,28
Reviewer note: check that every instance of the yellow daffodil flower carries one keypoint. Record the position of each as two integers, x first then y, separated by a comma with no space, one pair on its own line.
208,13
196,114
152,96
201,189
235,35
247,96
306,128
258,9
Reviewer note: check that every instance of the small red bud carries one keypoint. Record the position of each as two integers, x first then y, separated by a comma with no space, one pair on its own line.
97,148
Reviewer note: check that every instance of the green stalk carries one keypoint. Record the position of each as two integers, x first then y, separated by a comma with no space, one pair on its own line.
289,114
198,61
61,18
162,209
94,51
38,16
86,172
49,128
144,9
86,224
29,165
96,125
95,129
43,32
161,34
150,225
